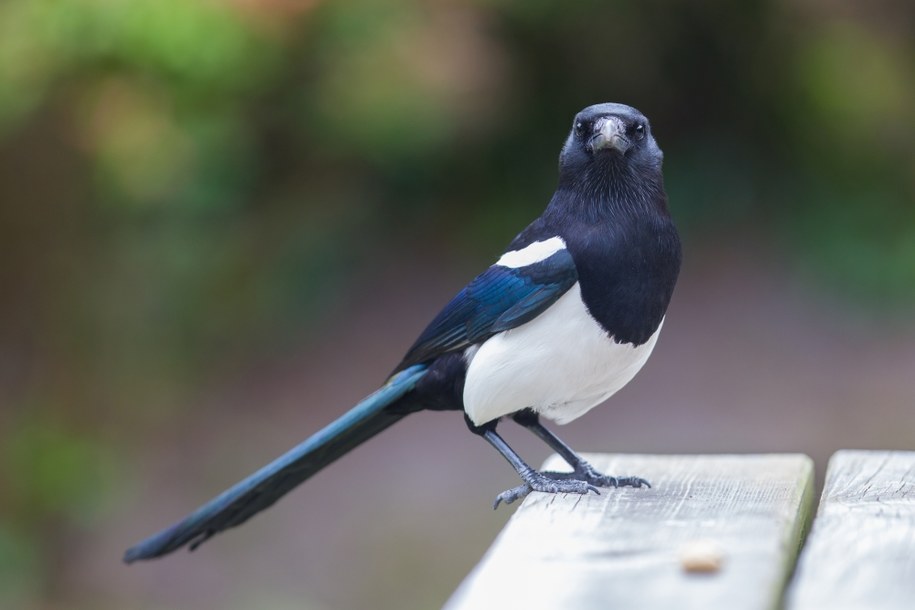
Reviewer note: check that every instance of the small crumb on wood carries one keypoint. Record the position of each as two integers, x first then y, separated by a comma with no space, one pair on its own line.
701,557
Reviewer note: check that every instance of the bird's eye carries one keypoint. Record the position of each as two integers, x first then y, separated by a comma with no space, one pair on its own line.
639,131
580,127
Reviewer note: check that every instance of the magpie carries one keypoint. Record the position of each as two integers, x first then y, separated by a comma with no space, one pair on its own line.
564,318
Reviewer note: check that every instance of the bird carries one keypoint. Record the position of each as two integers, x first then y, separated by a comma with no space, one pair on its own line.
562,320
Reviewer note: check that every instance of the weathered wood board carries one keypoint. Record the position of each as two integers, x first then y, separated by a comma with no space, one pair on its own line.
631,548
861,549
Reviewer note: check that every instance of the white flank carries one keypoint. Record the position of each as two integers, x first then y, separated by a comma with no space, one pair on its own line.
533,253
560,364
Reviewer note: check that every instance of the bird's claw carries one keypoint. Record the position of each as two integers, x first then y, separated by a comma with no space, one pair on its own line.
586,472
637,482
583,481
589,475
547,484
512,495
602,480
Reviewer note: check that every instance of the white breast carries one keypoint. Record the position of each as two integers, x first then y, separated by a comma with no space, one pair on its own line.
561,364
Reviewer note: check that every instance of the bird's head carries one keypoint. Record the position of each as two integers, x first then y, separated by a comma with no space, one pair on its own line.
605,136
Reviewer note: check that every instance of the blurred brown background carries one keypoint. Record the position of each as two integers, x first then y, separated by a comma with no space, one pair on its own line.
223,222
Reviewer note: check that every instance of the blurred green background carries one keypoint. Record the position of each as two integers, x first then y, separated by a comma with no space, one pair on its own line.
223,222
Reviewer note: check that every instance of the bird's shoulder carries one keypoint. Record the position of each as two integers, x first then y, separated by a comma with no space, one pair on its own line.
533,272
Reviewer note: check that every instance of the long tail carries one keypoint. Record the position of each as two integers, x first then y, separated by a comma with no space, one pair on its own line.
260,490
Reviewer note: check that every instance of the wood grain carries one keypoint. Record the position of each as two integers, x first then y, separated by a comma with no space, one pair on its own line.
634,548
861,549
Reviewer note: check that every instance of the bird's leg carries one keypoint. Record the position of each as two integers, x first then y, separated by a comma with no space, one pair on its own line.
581,469
533,480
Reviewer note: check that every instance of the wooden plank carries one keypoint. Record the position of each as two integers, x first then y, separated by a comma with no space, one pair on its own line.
861,550
633,548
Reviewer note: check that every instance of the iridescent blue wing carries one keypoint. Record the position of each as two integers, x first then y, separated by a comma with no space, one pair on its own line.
499,299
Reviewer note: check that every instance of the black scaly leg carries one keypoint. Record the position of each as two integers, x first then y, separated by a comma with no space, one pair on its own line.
582,470
533,480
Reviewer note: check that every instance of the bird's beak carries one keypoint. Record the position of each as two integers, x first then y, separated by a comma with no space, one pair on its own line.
610,133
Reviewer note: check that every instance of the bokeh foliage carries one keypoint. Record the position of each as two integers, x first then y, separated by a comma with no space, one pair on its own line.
185,183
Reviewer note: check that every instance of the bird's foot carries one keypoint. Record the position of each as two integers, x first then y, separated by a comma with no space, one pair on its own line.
582,481
586,472
545,482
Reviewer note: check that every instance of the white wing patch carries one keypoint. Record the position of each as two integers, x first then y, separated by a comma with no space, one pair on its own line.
560,364
532,253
